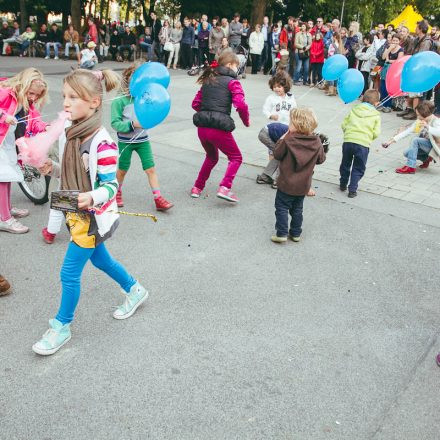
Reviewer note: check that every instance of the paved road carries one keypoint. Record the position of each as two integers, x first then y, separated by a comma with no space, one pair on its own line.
331,338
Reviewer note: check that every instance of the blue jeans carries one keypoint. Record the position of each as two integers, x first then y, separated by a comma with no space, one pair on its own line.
24,46
413,151
148,47
304,64
354,162
285,204
56,46
384,94
73,265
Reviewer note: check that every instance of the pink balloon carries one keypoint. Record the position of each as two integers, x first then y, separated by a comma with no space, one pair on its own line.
394,77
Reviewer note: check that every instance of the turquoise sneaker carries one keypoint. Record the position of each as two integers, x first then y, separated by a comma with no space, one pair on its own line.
54,338
133,300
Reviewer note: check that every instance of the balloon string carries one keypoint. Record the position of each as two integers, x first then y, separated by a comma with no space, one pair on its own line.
310,89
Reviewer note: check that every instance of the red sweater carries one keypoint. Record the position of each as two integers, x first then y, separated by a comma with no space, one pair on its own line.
317,51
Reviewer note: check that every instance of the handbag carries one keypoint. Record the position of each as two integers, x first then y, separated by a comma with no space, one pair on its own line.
168,46
303,55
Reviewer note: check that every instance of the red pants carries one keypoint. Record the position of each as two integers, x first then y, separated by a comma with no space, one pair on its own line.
212,141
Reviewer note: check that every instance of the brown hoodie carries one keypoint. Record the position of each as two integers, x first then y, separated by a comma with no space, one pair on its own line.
298,154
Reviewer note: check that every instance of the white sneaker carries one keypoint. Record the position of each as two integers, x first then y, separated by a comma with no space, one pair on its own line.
13,226
133,300
56,58
46,58
19,213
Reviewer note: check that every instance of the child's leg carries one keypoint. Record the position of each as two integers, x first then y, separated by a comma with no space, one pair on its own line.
359,165
56,219
282,206
265,139
211,159
345,167
412,151
5,201
296,212
124,162
227,145
102,259
73,265
146,155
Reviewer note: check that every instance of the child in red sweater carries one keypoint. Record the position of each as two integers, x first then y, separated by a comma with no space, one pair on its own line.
317,58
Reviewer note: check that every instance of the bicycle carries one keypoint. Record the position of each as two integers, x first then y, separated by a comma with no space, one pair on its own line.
35,186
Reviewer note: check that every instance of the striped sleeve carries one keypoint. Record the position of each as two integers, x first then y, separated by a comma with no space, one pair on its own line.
106,184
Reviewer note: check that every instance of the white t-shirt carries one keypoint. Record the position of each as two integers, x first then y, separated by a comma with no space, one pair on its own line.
279,105
87,55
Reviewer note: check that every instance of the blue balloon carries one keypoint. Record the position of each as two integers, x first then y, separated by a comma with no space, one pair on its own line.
152,105
334,66
350,85
147,73
421,72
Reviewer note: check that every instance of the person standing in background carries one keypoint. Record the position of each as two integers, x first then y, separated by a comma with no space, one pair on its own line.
156,26
265,55
186,44
236,30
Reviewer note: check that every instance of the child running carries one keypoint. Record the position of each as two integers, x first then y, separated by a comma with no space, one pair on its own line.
360,127
132,137
424,147
20,96
276,108
298,151
220,90
88,166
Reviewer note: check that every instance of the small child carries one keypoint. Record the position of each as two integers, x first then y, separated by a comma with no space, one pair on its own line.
298,151
424,147
317,58
132,137
213,103
361,127
88,56
277,109
282,58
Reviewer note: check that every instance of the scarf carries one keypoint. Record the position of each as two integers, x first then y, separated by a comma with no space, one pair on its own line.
73,173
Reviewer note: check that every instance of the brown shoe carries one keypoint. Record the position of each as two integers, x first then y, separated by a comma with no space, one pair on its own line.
4,286
331,91
404,112
411,116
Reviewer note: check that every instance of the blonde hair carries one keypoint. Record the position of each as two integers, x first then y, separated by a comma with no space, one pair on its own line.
88,84
355,26
22,82
124,89
304,120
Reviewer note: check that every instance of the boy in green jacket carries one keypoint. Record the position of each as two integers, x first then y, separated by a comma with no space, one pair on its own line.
360,128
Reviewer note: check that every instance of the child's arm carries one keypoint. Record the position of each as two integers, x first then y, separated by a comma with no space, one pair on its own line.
280,149
197,101
267,108
37,125
106,185
238,101
117,122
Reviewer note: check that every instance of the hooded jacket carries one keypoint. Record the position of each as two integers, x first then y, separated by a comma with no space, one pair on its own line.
298,154
362,125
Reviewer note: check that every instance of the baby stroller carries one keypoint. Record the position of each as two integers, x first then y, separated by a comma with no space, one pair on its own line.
243,55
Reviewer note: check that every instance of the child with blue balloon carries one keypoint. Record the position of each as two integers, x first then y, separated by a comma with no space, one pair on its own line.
360,127
133,138
213,103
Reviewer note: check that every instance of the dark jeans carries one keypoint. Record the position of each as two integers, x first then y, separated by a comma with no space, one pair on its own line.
366,76
127,47
203,55
113,51
256,59
437,101
286,204
384,94
304,65
291,62
266,58
316,72
354,161
185,56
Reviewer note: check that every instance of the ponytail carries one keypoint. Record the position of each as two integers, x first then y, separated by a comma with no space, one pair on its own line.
111,79
228,56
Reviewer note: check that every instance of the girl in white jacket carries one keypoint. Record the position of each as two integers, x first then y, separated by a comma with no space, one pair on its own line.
367,57
256,46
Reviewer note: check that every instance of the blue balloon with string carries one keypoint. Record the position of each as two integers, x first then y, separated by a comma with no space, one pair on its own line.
350,85
334,66
152,105
421,72
148,73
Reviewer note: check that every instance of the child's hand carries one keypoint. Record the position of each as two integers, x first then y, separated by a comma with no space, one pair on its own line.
136,124
85,201
274,117
11,120
46,168
388,143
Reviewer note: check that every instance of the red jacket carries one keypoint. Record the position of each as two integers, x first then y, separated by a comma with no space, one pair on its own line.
284,38
317,51
93,34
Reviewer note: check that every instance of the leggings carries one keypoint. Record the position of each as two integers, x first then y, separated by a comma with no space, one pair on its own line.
5,201
212,141
73,265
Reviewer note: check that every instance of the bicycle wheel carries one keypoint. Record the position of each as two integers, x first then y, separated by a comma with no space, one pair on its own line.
35,186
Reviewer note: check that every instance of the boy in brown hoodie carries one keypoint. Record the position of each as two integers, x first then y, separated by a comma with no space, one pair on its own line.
298,151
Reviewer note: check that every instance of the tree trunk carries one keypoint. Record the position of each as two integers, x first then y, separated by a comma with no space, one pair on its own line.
75,11
101,9
23,15
144,11
90,7
127,11
152,5
258,11
107,11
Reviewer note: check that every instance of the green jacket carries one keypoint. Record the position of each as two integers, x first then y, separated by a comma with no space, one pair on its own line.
362,125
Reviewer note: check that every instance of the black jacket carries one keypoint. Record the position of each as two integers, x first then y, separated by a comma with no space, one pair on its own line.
216,106
115,40
5,33
43,36
155,30
55,36
128,39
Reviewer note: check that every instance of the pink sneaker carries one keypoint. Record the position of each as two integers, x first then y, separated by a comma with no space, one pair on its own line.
13,226
226,194
19,213
195,192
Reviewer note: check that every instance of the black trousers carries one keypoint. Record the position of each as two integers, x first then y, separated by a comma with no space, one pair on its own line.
203,55
185,56
256,59
286,204
316,72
